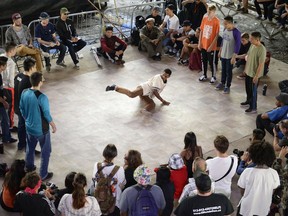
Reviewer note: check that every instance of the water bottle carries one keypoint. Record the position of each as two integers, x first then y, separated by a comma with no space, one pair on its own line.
264,89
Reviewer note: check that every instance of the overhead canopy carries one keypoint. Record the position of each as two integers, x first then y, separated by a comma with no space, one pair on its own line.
30,9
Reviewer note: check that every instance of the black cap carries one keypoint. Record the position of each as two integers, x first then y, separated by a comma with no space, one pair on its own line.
109,28
203,182
44,15
186,23
283,98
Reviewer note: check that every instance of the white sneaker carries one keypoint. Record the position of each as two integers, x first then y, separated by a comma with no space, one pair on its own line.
203,78
213,80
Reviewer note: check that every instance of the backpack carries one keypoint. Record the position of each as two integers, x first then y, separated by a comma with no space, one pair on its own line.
104,189
135,32
145,204
139,22
135,37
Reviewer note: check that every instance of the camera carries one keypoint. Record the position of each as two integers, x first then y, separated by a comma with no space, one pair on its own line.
238,153
277,128
51,185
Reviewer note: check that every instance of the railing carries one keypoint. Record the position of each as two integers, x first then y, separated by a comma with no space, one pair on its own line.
87,24
124,17
3,29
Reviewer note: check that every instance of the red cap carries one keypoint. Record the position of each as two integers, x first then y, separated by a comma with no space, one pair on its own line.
16,16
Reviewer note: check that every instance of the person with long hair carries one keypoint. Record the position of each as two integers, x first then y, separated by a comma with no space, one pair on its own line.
12,185
191,151
78,203
132,160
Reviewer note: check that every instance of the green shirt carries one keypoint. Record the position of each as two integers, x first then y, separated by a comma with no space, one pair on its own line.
256,56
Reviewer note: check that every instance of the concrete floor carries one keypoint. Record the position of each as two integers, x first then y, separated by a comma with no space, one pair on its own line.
88,118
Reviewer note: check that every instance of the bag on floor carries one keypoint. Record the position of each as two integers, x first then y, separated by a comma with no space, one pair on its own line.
145,204
104,189
195,61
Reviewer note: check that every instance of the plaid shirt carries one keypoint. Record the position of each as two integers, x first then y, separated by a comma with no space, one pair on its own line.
191,190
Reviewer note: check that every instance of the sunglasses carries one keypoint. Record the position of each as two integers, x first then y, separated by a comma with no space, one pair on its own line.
66,14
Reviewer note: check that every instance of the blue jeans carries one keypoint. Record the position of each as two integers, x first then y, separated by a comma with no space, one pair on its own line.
6,135
45,144
21,132
226,77
166,39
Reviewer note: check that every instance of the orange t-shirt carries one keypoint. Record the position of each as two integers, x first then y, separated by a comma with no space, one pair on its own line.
210,29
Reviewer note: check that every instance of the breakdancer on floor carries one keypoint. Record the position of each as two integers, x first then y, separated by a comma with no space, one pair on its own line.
147,90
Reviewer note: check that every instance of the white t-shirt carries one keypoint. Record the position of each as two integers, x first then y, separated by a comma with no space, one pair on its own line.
154,83
217,168
90,208
172,22
259,185
187,33
119,177
8,75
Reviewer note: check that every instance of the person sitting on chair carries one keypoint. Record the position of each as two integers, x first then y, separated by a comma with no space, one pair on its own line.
68,35
46,36
20,35
151,39
109,48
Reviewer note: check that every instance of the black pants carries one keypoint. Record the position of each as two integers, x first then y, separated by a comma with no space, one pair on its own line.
73,48
112,55
208,57
62,50
265,124
265,7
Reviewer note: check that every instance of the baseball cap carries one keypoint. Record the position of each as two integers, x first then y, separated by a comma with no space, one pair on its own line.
175,161
282,97
44,15
109,28
16,16
186,23
64,10
203,182
150,20
156,8
142,175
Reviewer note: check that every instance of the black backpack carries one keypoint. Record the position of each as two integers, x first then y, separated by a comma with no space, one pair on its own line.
135,33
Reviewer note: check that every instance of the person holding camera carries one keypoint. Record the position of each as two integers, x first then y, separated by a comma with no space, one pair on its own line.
245,159
245,162
281,128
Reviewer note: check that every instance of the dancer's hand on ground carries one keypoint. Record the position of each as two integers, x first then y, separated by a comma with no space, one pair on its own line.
165,103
